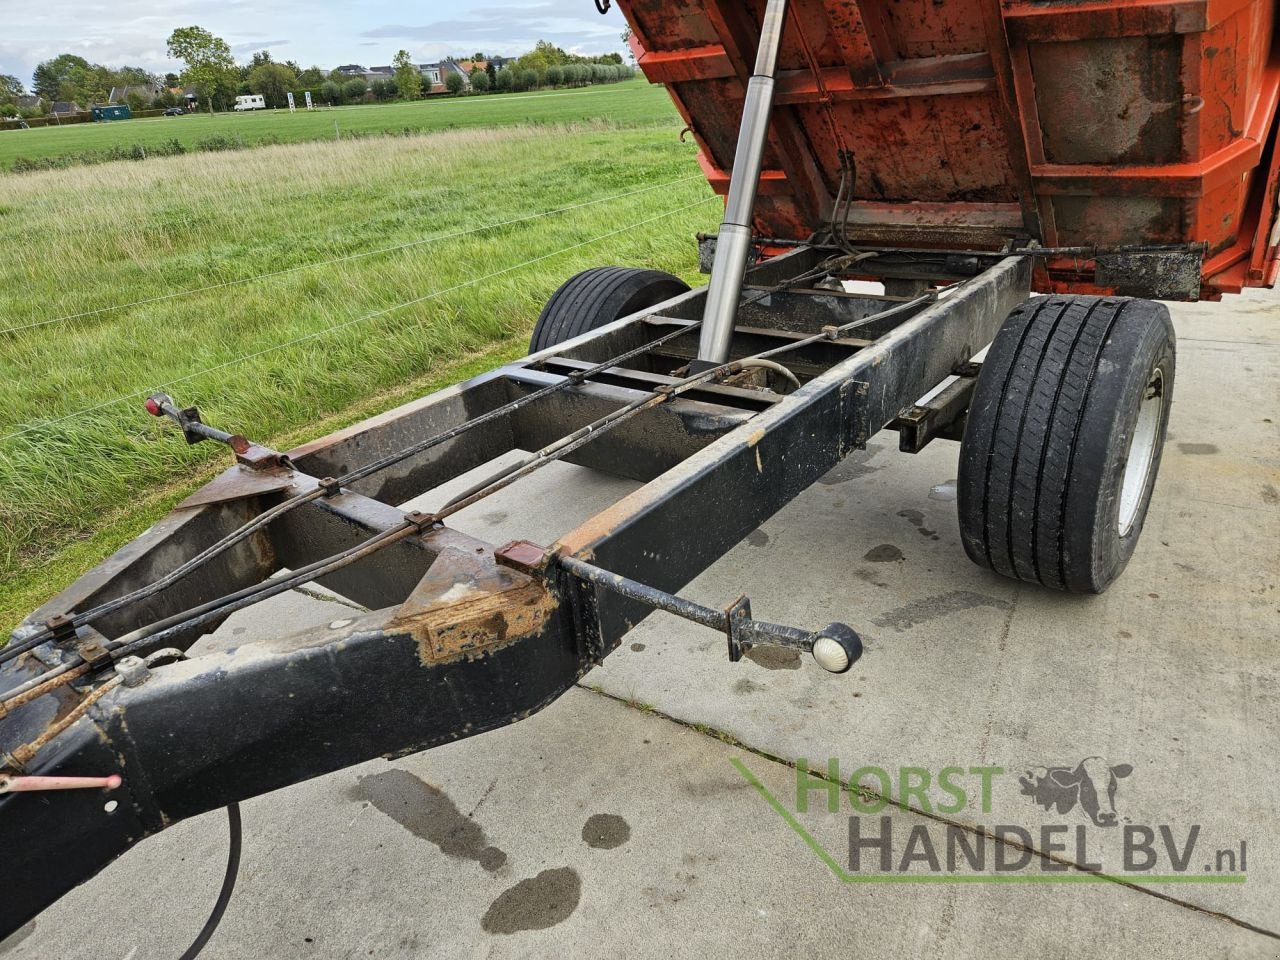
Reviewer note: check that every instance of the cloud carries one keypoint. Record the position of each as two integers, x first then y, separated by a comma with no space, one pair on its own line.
514,28
322,31
253,46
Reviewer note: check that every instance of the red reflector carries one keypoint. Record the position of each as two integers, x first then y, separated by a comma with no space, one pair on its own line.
153,408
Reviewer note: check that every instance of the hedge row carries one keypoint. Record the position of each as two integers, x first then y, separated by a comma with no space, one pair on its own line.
84,116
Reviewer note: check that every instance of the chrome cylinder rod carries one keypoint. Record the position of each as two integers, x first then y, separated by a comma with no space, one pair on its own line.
733,245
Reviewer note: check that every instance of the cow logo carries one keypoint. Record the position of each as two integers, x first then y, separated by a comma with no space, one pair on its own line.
1091,783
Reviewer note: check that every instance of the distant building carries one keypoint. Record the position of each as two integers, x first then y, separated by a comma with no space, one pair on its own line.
147,91
63,108
434,75
30,102
431,75
351,70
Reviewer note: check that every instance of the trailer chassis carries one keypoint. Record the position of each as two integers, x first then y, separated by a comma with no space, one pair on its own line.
460,636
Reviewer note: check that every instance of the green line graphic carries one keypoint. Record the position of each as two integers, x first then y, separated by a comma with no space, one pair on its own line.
844,876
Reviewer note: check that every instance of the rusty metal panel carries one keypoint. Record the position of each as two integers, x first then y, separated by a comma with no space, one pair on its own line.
1114,101
1126,121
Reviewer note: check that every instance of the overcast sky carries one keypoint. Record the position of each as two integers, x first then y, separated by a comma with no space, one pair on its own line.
323,32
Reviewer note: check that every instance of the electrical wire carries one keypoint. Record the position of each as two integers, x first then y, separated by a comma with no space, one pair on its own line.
33,427
348,258
228,885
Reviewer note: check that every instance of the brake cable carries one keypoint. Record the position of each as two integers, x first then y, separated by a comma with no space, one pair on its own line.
250,595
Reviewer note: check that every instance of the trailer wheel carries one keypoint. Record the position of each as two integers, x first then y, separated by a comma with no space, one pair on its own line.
597,297
1063,439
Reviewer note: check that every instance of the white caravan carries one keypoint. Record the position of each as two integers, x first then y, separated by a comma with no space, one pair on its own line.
254,102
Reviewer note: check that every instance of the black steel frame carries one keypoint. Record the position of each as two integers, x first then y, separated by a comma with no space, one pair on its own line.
461,636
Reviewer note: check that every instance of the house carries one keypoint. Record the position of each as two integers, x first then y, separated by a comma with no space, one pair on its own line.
374,74
430,76
351,70
30,102
147,91
65,108
434,75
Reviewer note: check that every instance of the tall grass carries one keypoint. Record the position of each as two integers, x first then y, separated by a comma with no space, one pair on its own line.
90,238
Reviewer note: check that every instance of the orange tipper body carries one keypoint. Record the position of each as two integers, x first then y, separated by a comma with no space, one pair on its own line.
970,123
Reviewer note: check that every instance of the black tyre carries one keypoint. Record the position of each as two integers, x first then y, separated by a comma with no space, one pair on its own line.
1063,439
597,297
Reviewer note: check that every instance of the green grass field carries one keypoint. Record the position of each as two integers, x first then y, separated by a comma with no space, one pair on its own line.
352,231
626,104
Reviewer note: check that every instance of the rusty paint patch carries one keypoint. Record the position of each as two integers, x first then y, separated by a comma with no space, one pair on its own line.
755,437
467,604
239,483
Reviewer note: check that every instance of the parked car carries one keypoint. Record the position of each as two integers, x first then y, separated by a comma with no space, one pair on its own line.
175,112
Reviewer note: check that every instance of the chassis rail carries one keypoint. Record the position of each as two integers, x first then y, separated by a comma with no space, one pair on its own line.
460,636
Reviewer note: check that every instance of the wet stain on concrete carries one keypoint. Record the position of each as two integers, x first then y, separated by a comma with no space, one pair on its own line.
862,573
885,553
637,648
605,831
1197,449
1270,494
497,516
944,492
538,903
916,519
852,467
748,686
931,608
758,538
428,813
17,936
774,658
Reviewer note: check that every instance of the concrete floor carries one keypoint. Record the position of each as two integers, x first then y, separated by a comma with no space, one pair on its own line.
616,824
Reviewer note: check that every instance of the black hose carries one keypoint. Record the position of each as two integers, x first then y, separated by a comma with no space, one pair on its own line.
228,885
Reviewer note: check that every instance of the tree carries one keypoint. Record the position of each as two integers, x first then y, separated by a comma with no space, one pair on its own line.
408,79
208,59
273,81
310,78
11,88
135,101
383,90
50,75
555,75
492,71
454,82
330,92
479,81
354,89
506,80
261,56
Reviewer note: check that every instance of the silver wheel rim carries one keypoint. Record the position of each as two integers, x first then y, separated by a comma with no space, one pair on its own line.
1141,456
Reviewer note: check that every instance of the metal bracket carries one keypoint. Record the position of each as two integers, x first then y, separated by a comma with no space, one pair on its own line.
735,615
734,621
855,429
943,416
